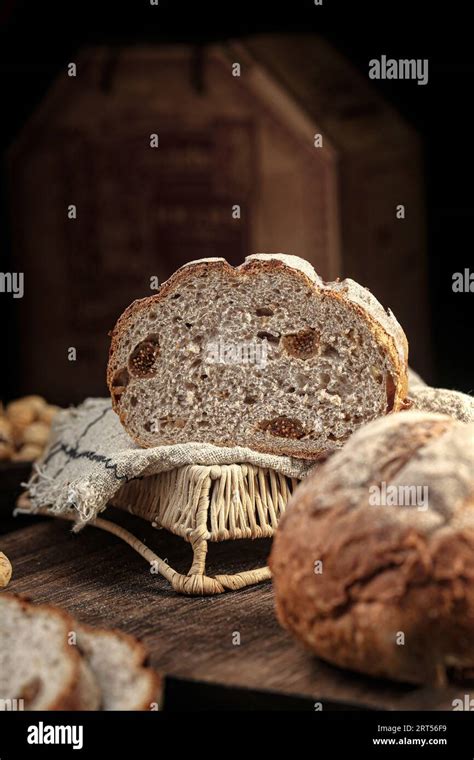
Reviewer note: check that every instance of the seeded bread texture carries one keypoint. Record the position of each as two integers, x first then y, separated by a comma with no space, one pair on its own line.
333,359
37,664
394,594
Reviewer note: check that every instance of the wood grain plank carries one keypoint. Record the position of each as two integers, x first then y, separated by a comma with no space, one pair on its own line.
103,582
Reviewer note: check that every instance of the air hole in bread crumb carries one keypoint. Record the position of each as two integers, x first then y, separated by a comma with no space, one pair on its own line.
121,378
268,336
133,401
291,389
390,389
152,315
354,336
188,325
248,399
377,374
176,295
264,311
329,352
119,384
332,437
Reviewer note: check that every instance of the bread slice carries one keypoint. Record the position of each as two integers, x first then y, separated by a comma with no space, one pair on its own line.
264,355
52,662
116,660
37,664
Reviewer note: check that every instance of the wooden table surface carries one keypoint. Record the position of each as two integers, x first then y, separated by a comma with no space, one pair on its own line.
101,581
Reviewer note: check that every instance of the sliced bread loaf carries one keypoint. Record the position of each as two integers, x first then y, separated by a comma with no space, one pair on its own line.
52,662
37,664
117,663
265,355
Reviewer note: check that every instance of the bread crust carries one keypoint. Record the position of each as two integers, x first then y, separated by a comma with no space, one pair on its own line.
383,326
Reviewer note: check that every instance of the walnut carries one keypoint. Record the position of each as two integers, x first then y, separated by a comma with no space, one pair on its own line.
47,413
24,430
6,431
28,453
283,427
142,359
5,570
6,451
303,344
37,434
21,413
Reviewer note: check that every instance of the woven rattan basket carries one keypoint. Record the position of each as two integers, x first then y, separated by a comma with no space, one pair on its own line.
202,504
210,503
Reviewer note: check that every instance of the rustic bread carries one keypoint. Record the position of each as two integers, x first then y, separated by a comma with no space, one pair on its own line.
37,664
117,663
442,401
53,662
394,593
264,355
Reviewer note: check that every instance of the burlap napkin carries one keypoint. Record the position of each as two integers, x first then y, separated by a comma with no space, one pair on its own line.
90,457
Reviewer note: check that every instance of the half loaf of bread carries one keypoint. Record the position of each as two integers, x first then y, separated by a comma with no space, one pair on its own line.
264,355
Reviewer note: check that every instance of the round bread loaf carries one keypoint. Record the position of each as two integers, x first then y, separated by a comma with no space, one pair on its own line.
373,562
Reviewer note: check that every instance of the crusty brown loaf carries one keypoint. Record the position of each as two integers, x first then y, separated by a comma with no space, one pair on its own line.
386,570
335,357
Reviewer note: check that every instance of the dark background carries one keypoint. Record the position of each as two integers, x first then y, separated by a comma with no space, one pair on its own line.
38,38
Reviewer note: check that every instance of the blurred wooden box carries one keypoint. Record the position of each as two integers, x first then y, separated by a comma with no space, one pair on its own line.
224,140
